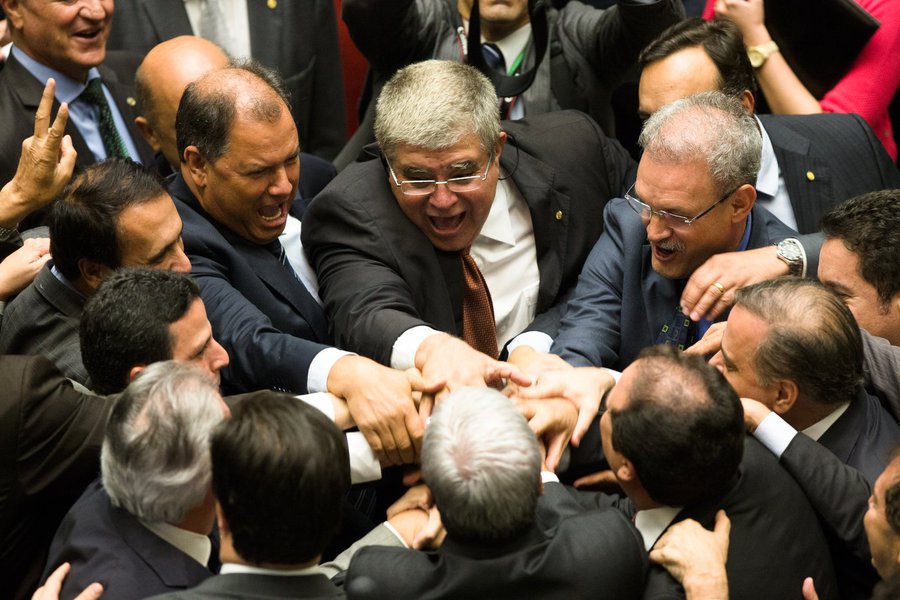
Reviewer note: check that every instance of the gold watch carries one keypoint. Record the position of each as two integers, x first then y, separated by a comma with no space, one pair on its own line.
759,54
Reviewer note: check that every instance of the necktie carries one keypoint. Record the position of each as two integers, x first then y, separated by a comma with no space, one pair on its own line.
493,57
112,141
479,329
680,331
213,25
310,309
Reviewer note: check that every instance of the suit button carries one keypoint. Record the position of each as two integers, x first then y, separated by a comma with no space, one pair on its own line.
559,215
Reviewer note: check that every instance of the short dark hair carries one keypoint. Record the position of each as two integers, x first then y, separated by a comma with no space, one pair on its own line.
682,429
84,222
809,332
126,323
892,495
205,116
869,226
722,42
280,471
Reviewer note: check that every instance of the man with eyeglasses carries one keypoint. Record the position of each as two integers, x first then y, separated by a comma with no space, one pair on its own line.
392,238
693,199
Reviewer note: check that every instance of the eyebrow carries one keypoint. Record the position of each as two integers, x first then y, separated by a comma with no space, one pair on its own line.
202,349
728,363
837,288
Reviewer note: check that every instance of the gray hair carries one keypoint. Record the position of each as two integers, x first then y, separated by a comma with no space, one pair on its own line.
483,464
709,127
155,460
433,105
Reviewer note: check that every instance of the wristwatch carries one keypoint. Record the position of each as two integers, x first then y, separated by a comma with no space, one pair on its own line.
759,54
790,251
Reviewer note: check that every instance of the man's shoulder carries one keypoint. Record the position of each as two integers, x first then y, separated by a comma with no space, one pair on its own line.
833,131
252,585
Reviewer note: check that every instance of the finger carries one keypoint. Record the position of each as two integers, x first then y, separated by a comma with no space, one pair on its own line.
544,388
58,129
415,429
374,439
67,156
429,533
42,116
91,592
396,444
419,384
705,345
53,584
555,450
809,589
722,530
721,305
586,416
40,261
412,476
598,478
500,370
707,300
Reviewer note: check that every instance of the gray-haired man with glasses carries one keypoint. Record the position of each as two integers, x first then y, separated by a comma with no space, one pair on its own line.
693,198
465,233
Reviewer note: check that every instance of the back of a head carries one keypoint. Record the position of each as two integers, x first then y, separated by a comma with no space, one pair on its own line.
709,127
84,221
720,39
483,465
280,470
869,226
809,332
682,429
125,323
155,458
210,105
433,105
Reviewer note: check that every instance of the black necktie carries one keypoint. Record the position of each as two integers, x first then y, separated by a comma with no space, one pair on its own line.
680,331
112,141
493,57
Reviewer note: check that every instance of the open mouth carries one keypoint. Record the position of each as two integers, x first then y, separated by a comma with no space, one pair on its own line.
89,35
666,250
447,224
272,212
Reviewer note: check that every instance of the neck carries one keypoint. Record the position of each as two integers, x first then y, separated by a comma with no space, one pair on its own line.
492,31
806,413
201,518
228,554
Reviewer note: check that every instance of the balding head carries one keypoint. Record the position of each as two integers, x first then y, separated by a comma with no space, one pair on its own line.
166,70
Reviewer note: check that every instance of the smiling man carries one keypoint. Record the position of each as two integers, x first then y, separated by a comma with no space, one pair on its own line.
464,234
693,198
67,41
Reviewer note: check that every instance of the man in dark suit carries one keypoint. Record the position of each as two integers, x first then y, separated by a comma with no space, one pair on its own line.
397,242
497,543
297,39
809,163
236,194
68,42
115,213
279,473
144,527
693,198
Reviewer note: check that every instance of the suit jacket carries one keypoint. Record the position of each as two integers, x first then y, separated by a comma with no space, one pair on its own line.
298,39
20,95
265,318
776,540
594,554
246,585
621,303
109,545
50,437
881,370
379,275
44,319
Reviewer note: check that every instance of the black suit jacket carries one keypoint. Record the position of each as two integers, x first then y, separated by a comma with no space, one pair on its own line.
20,95
246,585
109,545
594,554
50,437
379,275
298,39
265,318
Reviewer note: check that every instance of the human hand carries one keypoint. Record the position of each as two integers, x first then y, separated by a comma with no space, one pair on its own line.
418,496
451,360
710,343
45,165
552,421
601,480
51,588
380,402
703,297
533,363
583,386
21,267
754,413
809,589
749,16
420,529
696,557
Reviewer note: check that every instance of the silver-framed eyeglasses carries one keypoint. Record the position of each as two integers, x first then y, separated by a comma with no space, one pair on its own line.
424,187
645,211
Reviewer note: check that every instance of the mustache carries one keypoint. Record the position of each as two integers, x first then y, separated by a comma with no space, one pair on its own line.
670,245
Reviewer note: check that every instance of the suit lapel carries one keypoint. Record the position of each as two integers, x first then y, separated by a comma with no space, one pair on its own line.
661,295
168,18
124,99
843,434
266,31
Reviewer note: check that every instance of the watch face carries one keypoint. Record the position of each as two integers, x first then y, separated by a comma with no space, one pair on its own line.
756,58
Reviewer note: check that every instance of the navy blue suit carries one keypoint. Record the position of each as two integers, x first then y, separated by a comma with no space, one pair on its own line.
265,318
620,303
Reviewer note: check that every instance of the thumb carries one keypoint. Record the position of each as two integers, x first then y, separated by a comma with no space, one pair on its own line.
722,530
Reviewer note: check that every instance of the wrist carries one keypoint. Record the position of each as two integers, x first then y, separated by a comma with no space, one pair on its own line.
757,36
707,585
429,347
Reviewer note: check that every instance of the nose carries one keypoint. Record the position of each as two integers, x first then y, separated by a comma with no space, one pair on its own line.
717,362
442,197
657,229
281,184
218,357
94,9
180,263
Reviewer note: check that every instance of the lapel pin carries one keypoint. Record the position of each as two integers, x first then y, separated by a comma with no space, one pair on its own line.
810,175
130,101
273,4
559,215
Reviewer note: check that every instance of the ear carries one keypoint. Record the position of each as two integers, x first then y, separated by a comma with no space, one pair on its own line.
501,143
92,273
147,133
13,11
742,200
626,471
748,101
787,396
134,372
223,522
196,165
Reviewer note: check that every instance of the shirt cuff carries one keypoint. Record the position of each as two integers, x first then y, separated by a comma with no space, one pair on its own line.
393,531
364,466
538,340
775,434
321,401
320,367
802,257
616,375
549,477
403,356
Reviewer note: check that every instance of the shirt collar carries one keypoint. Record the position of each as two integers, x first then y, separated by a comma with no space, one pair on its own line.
651,523
195,545
498,225
236,568
745,239
818,429
767,179
67,89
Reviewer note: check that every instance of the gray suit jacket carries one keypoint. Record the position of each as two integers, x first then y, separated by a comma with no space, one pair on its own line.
621,303
248,586
297,38
44,319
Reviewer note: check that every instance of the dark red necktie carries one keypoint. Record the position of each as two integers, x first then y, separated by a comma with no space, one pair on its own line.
479,329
